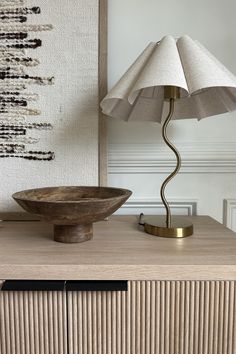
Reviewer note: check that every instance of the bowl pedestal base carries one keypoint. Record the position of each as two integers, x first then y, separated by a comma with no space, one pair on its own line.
73,233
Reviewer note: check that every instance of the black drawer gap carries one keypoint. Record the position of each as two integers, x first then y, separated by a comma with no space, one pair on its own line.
33,285
96,285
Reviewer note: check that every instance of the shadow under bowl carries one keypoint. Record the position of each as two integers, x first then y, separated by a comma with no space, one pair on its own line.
72,210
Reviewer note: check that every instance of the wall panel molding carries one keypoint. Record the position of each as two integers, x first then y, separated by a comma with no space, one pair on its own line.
197,157
229,213
153,206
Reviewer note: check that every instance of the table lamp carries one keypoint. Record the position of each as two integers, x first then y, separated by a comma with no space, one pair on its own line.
174,79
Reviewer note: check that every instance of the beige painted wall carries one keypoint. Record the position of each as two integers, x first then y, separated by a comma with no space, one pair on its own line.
208,146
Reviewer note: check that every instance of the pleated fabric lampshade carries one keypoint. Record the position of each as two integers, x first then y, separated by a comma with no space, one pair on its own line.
207,88
174,79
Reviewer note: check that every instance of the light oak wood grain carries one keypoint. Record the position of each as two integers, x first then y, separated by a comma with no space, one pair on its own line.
152,317
33,323
119,250
168,317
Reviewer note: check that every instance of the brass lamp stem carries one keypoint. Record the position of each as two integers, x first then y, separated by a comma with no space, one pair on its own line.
178,164
167,226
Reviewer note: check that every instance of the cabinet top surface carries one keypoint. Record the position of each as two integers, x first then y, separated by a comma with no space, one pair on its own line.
119,250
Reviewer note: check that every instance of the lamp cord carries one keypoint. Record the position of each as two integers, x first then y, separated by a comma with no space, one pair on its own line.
178,162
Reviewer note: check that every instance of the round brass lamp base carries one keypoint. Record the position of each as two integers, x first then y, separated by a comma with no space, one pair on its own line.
156,225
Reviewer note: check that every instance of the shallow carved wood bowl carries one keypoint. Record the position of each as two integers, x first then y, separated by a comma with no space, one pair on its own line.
72,210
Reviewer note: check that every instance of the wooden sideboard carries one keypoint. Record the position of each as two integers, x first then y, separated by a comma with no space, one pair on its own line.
180,296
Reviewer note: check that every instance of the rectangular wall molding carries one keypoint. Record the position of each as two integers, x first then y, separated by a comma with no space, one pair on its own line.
197,157
151,206
229,213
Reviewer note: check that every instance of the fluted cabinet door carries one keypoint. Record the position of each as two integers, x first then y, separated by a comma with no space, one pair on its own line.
33,322
155,317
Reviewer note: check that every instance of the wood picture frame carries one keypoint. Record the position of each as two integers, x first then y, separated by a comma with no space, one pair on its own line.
103,52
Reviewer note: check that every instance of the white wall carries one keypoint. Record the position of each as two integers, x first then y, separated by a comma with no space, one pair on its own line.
137,158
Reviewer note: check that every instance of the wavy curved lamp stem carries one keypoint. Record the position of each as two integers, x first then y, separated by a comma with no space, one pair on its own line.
178,164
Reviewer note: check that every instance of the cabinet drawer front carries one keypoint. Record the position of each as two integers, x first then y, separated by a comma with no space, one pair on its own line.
155,317
33,322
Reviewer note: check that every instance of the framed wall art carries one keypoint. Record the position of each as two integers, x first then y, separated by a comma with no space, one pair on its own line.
53,64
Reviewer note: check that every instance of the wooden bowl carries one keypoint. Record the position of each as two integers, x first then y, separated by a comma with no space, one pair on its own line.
72,210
